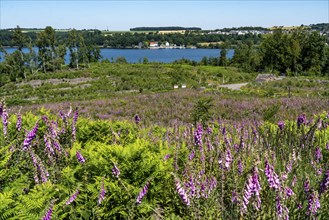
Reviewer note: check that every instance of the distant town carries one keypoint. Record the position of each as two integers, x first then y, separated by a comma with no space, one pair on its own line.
171,37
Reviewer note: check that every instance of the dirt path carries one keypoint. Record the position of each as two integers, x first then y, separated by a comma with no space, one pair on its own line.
234,86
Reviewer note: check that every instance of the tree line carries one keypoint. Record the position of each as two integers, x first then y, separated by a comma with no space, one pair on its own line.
299,52
133,39
173,28
46,54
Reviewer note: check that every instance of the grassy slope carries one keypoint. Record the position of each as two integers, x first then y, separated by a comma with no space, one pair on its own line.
105,80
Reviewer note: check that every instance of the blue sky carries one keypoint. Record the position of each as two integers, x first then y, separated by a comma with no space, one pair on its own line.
122,15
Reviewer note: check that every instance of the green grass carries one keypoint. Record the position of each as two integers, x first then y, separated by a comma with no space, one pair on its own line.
103,80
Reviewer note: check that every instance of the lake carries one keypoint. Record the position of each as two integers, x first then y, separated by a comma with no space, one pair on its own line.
153,55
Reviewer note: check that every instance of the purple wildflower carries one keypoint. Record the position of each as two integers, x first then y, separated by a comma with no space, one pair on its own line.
307,185
191,185
301,120
31,135
299,206
228,159
235,198
279,208
182,193
48,214
19,122
101,193
48,145
223,131
318,154
69,112
72,198
80,157
240,167
115,171
281,125
252,188
294,181
137,119
272,177
313,203
288,192
75,119
63,116
325,182
289,167
5,121
198,135
209,130
142,193
191,156
53,129
36,178
212,183
166,157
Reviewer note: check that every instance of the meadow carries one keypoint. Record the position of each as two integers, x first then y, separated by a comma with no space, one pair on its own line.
129,146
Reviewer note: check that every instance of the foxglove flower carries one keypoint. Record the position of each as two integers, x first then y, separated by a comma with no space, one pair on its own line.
54,129
289,167
318,154
182,193
69,112
80,157
235,198
75,119
294,181
191,156
313,203
209,130
307,185
272,177
281,125
137,119
48,213
325,182
212,183
19,122
5,121
240,167
36,178
228,159
142,193
191,185
57,146
223,131
31,135
301,120
72,198
166,157
288,192
48,145
279,208
198,135
101,193
63,116
115,171
252,188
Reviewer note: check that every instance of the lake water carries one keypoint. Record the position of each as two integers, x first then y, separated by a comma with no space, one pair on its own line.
153,55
